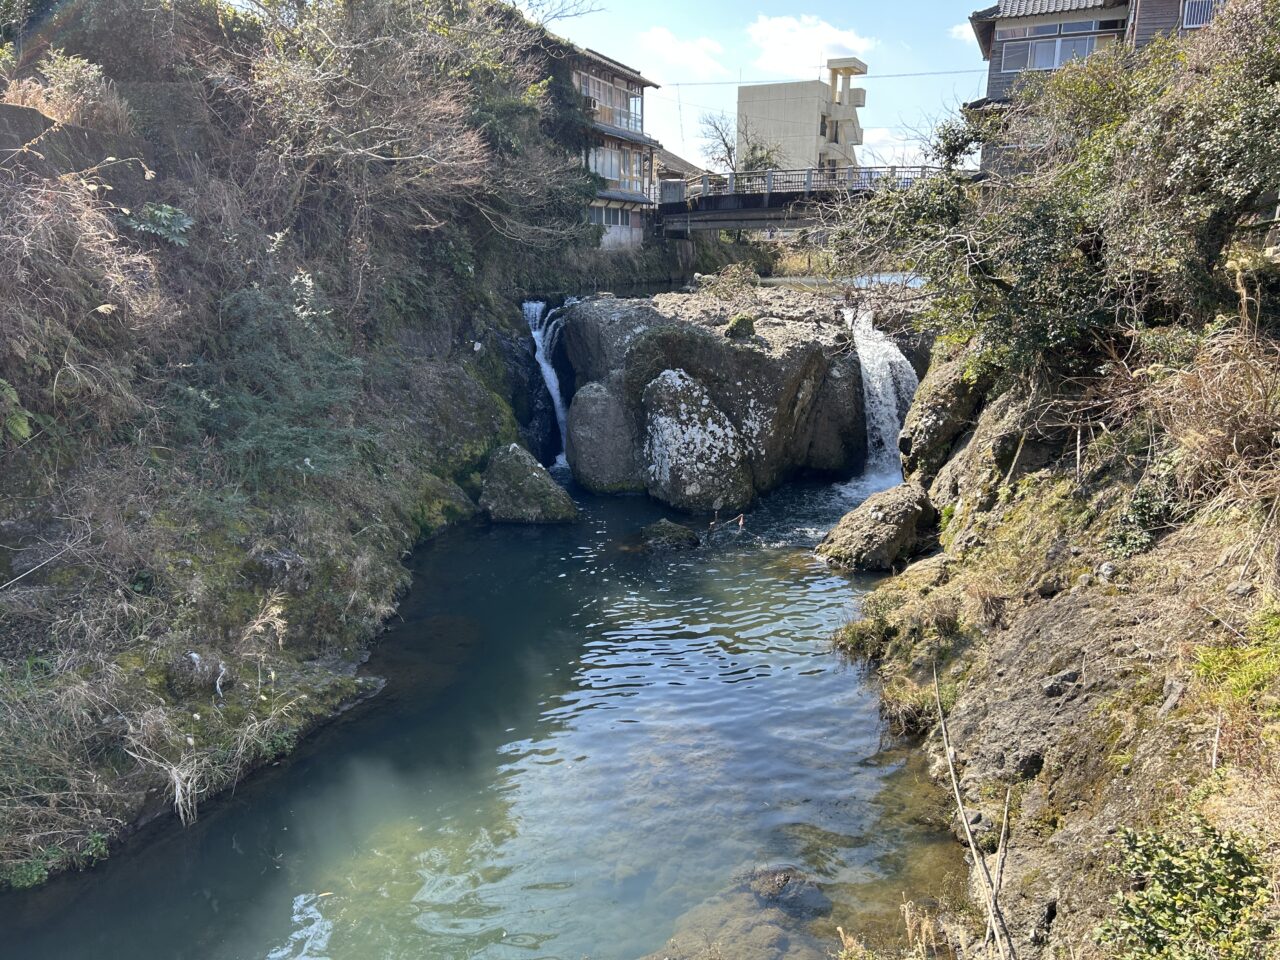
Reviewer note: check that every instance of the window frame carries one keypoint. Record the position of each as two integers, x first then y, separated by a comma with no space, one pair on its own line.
1208,9
1090,39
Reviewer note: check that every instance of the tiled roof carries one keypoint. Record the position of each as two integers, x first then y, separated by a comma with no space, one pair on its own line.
1032,8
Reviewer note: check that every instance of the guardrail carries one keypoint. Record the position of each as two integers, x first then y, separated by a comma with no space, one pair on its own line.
792,181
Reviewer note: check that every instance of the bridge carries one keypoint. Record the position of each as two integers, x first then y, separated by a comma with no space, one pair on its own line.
782,199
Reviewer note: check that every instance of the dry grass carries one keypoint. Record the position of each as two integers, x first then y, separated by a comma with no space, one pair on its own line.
923,939
1223,414
76,307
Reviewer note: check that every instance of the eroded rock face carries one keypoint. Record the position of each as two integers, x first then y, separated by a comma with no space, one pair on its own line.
518,489
695,458
601,444
883,531
943,410
785,401
838,439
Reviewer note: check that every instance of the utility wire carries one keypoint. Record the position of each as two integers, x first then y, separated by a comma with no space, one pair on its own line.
865,76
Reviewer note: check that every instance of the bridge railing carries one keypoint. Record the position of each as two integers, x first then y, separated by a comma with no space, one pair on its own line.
792,181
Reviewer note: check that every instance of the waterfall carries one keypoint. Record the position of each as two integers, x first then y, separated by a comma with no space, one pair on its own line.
888,384
543,326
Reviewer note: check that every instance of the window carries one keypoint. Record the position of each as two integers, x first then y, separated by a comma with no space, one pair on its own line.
620,104
1198,13
1113,25
1046,54
1045,30
1012,33
1074,48
1080,26
621,167
626,218
1015,57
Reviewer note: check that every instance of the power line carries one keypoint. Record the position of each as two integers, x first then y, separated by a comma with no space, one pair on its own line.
866,76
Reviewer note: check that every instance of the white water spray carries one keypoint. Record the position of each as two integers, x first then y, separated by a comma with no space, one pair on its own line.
888,384
544,326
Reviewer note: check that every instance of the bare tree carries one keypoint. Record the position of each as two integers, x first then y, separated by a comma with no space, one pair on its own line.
736,147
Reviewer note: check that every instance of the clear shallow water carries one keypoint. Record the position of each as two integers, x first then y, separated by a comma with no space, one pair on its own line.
578,745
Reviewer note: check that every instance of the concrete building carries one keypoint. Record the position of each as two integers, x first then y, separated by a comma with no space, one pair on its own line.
623,154
814,123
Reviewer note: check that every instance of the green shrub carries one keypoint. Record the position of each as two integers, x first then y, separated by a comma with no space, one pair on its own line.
1151,509
1199,897
278,391
14,420
160,220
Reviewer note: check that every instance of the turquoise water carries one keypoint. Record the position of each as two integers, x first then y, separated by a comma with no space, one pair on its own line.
579,750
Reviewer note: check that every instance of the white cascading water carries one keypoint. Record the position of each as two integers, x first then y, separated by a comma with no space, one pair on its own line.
888,384
543,326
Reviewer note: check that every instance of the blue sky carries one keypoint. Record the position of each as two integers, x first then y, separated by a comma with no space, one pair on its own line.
700,49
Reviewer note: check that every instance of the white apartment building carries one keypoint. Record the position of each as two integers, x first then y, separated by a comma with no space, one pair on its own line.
815,123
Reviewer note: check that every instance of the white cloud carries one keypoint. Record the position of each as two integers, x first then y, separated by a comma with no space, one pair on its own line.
964,33
797,46
671,56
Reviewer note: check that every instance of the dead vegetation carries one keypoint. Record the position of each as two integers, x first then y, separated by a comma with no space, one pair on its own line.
210,474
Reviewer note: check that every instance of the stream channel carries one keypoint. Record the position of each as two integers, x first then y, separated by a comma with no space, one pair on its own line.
582,750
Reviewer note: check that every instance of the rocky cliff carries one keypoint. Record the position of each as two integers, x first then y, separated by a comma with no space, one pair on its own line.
1067,661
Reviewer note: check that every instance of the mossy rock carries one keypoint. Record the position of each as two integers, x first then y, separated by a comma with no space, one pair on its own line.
741,327
518,489
667,535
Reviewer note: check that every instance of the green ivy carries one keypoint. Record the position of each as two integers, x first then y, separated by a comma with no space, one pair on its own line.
1202,896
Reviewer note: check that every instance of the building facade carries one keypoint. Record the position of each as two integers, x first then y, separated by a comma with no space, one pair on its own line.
813,123
1020,35
1016,36
623,155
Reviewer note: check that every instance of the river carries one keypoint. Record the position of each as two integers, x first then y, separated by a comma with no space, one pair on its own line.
578,744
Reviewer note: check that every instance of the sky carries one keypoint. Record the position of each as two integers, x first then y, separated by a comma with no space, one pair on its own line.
699,50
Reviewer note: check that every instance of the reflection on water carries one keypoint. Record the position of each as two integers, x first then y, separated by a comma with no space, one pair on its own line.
579,744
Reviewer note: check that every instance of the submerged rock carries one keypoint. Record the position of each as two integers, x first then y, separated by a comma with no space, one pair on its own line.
882,531
666,535
518,489
762,916
694,455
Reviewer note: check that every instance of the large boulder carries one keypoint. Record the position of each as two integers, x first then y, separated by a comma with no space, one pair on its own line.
882,532
768,387
838,433
695,458
600,442
518,489
598,332
943,410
